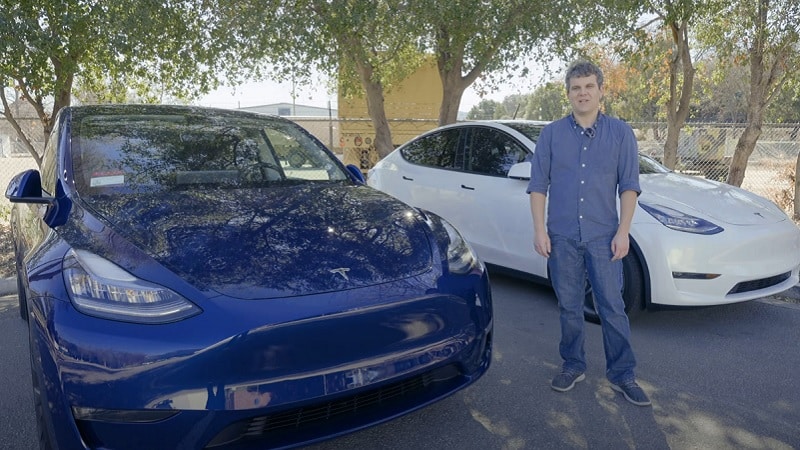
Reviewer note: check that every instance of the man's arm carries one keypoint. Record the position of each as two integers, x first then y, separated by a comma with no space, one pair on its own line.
541,241
621,242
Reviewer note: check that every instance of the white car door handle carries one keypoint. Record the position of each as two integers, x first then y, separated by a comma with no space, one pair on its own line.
407,178
467,187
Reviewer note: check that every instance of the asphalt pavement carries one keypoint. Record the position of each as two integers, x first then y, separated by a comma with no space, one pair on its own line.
8,286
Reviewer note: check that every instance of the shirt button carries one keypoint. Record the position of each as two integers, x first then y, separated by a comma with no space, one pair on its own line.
581,181
581,199
583,165
580,217
585,148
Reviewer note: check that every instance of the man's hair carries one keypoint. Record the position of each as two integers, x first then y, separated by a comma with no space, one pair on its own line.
582,69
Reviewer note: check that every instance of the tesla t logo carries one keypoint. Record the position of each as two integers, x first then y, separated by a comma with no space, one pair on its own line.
341,271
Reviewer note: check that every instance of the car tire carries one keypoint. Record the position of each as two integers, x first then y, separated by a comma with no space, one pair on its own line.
632,290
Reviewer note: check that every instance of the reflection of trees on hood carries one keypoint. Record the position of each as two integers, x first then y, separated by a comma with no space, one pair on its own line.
283,238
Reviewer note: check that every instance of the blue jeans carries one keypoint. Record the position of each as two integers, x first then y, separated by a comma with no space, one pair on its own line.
570,262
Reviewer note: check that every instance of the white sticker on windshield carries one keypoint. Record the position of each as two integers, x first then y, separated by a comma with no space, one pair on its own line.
107,179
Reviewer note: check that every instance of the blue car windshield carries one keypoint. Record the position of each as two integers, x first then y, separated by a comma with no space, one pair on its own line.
125,152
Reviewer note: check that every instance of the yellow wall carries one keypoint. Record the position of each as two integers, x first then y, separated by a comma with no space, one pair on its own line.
412,108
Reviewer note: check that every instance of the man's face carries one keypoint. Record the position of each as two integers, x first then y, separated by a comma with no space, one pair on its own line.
584,94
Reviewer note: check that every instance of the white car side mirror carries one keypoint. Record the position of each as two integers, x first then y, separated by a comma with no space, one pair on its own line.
520,171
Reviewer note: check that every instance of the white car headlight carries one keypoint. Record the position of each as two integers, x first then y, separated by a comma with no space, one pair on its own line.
100,288
679,221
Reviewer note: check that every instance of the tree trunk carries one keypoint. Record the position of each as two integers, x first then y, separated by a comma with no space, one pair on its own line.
376,109
450,62
671,144
761,80
453,87
377,112
744,148
680,91
451,100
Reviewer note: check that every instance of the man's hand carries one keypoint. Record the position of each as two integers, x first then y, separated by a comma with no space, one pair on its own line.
620,246
541,243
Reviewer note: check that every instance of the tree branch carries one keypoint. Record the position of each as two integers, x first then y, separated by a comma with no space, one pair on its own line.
15,125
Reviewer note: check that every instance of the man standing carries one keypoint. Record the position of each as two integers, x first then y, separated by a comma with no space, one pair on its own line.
582,162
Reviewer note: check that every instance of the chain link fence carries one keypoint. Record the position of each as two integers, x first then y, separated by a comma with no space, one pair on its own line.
704,150
14,157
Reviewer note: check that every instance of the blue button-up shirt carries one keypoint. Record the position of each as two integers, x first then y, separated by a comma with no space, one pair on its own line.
584,171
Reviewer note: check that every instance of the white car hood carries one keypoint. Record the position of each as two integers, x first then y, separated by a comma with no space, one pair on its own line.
712,200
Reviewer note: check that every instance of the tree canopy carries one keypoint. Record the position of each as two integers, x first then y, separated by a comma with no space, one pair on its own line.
139,45
763,34
379,42
650,50
486,39
366,45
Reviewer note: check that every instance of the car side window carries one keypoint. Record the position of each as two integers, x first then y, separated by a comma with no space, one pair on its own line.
492,152
436,150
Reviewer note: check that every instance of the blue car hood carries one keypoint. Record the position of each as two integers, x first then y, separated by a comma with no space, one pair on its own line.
274,242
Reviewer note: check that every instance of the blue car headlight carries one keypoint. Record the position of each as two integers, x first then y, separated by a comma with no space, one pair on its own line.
461,258
679,221
100,288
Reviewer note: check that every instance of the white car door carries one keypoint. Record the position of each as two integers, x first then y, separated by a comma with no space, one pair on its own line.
425,174
500,205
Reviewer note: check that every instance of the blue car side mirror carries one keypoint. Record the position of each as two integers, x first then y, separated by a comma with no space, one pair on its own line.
355,174
26,187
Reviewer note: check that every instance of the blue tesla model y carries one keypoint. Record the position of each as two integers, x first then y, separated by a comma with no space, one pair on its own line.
204,278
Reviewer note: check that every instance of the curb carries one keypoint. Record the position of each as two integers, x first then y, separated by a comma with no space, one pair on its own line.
8,286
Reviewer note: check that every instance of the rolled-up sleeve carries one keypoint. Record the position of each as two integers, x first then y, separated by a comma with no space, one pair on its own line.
628,168
540,163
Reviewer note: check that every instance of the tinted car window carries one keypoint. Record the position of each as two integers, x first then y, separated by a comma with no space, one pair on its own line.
492,152
437,150
129,153
530,131
649,165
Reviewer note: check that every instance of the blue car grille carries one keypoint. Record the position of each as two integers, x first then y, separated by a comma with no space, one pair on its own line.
763,283
352,412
